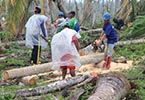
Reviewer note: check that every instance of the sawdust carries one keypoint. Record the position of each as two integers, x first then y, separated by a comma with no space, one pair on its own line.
98,68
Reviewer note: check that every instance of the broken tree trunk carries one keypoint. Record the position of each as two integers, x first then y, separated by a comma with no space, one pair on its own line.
52,87
31,70
112,86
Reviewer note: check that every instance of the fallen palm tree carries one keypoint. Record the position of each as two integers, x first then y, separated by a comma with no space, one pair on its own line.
112,86
52,87
93,31
32,70
89,49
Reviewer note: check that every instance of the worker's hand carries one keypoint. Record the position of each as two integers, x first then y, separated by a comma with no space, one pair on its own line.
46,39
94,43
97,42
55,24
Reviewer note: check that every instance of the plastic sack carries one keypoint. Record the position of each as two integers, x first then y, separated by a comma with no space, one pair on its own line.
64,52
34,32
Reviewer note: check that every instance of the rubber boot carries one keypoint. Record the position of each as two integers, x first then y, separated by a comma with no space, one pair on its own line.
105,63
109,62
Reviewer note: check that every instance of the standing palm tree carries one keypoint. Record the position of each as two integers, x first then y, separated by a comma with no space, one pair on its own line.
15,13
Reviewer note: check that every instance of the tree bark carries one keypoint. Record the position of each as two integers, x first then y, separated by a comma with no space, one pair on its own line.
112,86
51,87
45,8
31,70
60,6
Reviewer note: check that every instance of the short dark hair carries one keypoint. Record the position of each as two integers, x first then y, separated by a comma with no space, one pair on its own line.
72,12
37,10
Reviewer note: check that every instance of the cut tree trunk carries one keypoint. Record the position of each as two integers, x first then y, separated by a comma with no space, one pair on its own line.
52,87
32,70
112,86
29,80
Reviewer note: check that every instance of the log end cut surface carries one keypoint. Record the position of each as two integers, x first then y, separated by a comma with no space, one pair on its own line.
6,75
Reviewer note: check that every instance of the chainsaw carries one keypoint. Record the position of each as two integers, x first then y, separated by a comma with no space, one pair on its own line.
101,47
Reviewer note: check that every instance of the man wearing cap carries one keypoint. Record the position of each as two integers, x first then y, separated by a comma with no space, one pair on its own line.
59,21
64,49
111,35
36,34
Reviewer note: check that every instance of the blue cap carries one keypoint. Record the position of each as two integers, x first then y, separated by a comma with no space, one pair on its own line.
60,14
106,16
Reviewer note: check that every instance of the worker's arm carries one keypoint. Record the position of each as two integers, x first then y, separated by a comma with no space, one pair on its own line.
102,37
101,34
43,35
75,41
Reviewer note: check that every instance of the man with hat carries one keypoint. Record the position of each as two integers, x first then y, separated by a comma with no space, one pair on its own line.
36,34
59,21
111,35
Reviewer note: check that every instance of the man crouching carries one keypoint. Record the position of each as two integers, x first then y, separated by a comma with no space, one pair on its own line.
64,49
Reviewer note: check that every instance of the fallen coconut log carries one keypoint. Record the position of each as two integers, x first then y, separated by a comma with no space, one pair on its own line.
84,28
32,70
8,82
89,49
92,31
29,80
112,86
121,43
51,87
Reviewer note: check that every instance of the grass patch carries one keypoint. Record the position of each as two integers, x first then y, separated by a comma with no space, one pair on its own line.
131,51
